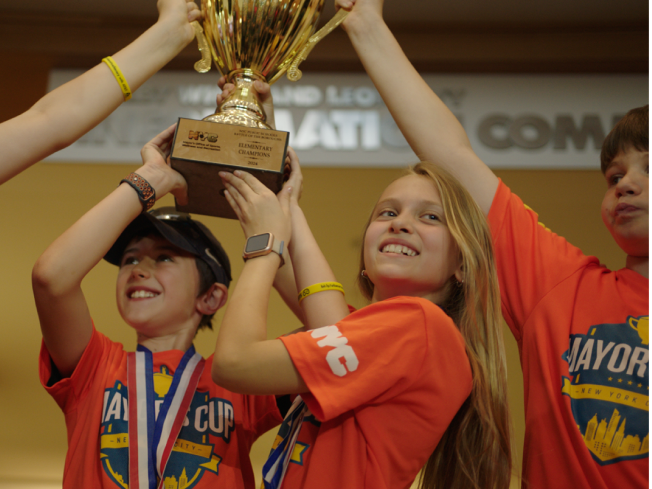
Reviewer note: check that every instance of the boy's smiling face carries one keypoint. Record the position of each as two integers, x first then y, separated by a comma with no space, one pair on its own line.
157,287
625,207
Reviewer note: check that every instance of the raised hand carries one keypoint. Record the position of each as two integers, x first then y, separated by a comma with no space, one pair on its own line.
179,14
264,95
362,12
258,209
156,167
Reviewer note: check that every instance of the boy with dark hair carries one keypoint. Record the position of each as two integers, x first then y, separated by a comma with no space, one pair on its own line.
582,330
629,133
153,418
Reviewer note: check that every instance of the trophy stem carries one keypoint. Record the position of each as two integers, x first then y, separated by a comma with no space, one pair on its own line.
242,107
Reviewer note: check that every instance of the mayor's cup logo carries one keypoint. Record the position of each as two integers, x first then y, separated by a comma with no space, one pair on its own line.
193,455
609,389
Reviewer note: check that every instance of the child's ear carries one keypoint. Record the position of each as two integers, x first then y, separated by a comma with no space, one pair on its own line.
213,299
459,273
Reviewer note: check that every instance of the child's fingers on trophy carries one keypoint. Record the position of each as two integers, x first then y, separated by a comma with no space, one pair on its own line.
180,190
232,189
234,205
222,83
287,169
263,89
164,139
345,4
227,89
194,13
160,144
252,183
296,178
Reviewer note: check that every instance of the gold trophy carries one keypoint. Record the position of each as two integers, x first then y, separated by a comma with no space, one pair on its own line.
249,40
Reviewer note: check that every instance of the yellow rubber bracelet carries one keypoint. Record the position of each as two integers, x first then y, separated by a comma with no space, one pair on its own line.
124,86
320,287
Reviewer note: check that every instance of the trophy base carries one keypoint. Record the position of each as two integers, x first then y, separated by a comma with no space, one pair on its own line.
201,149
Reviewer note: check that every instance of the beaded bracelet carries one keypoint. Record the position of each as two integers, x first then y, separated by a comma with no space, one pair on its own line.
320,287
146,194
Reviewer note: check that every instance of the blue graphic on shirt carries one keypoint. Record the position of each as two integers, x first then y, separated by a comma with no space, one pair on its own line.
609,389
192,455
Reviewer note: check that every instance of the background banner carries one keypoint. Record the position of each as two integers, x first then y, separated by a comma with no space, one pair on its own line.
514,121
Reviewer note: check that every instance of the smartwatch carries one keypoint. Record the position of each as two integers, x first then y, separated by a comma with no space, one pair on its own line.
261,245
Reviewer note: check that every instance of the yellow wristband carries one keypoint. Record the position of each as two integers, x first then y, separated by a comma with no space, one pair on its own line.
320,287
124,86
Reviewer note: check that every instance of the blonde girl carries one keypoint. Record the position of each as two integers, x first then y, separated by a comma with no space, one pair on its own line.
414,380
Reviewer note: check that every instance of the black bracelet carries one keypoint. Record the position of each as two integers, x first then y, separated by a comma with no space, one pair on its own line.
146,194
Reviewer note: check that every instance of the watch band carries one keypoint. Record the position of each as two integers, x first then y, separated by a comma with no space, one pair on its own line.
146,194
278,248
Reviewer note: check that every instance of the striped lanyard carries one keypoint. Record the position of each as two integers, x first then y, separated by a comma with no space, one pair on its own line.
277,464
151,437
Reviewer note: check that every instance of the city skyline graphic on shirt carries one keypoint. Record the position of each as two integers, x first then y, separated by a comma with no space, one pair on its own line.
608,389
608,441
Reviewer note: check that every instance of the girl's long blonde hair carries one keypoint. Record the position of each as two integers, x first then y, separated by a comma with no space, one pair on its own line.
475,450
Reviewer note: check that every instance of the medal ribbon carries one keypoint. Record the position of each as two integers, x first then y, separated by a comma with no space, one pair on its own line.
151,437
277,464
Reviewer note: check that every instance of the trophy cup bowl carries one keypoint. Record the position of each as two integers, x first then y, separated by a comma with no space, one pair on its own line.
248,40
255,40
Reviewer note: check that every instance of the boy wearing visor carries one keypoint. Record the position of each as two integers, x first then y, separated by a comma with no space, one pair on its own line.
154,417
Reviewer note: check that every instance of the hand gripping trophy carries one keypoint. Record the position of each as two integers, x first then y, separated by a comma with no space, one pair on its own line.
249,40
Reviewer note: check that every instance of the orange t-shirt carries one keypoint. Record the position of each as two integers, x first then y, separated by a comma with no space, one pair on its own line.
384,383
582,332
212,449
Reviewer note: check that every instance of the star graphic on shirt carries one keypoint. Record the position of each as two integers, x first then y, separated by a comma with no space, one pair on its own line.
620,380
611,378
640,385
630,382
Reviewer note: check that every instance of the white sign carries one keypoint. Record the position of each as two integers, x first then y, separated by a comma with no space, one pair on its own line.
515,121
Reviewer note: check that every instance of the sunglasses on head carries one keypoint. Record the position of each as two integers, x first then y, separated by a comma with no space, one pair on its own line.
176,216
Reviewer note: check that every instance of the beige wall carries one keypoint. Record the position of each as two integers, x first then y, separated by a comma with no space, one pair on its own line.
43,201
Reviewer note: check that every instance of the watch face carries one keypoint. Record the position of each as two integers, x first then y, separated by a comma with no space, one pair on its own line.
257,243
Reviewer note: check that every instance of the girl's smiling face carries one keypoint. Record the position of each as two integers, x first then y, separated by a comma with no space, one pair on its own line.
408,249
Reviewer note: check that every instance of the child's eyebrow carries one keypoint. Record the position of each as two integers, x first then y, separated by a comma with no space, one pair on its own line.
168,248
172,249
396,202
129,250
609,165
162,247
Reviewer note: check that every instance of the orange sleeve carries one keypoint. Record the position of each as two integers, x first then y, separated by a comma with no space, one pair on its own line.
376,353
67,392
531,259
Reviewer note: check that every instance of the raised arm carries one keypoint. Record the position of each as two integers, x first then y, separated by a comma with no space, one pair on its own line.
245,360
284,281
432,131
310,267
58,273
67,113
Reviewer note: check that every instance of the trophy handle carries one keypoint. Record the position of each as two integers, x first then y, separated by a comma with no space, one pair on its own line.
204,64
294,73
